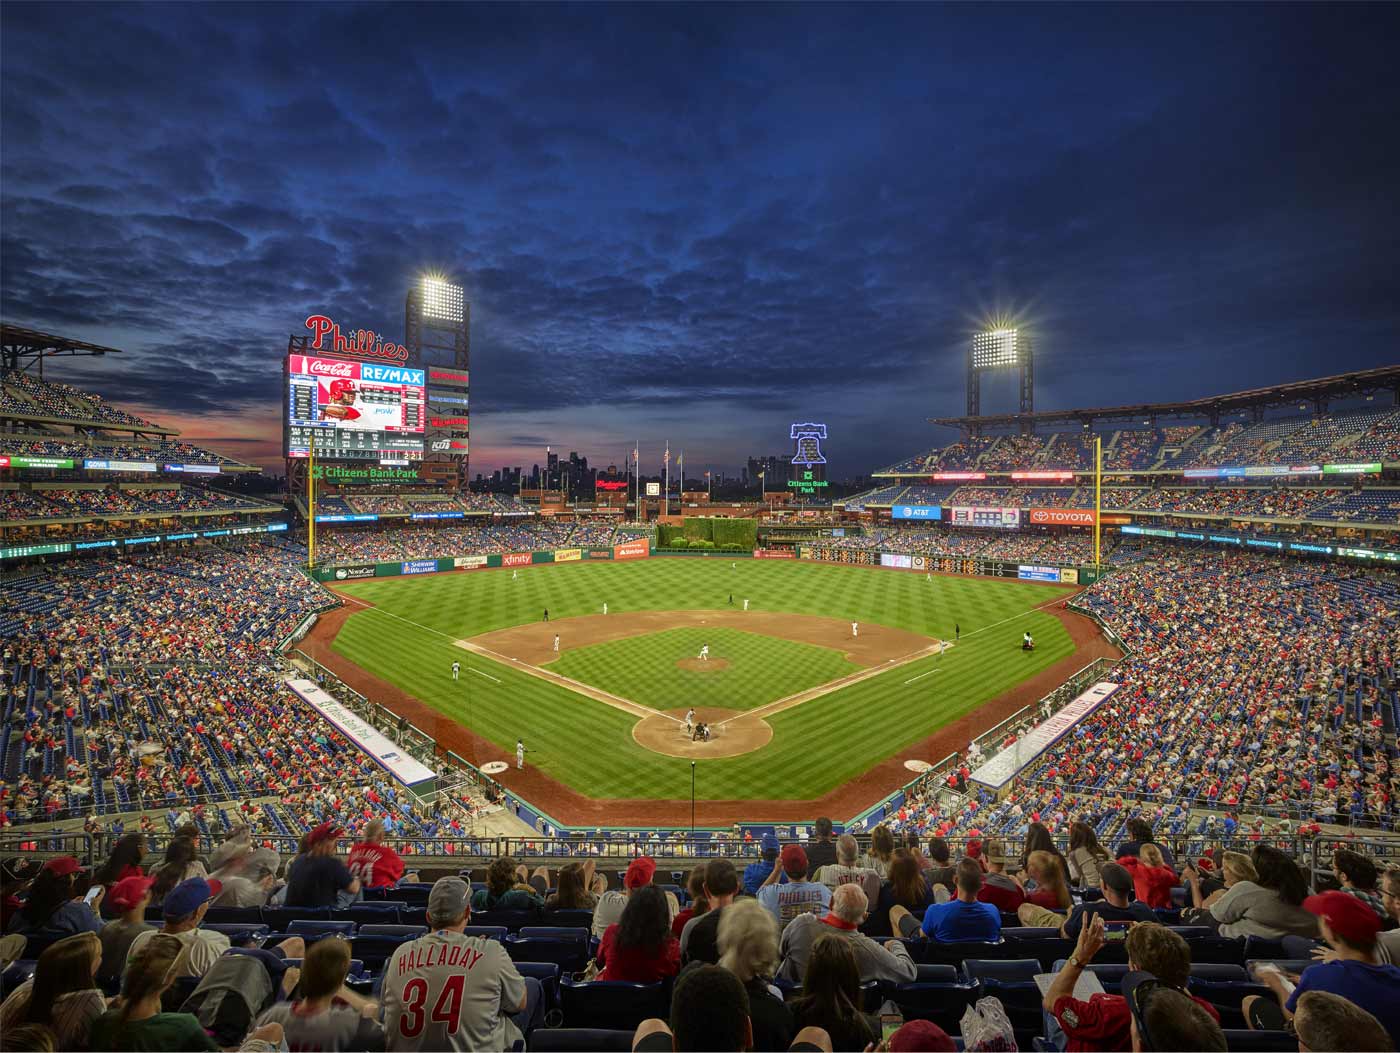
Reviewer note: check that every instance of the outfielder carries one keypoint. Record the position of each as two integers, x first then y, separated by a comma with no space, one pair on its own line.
515,575
456,668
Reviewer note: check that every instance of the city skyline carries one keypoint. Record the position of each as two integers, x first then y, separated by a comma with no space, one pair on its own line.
704,224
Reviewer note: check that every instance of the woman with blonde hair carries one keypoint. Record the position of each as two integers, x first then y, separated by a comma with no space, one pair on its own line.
1153,880
748,948
63,995
1050,899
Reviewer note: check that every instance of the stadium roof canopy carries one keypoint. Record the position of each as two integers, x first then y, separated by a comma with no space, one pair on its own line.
20,344
1318,392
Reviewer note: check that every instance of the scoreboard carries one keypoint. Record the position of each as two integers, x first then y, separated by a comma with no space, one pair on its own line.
354,411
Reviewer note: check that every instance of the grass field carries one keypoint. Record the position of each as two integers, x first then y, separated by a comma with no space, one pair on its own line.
407,639
759,670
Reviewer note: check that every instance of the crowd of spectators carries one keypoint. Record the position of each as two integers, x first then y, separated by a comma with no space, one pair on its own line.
171,451
68,502
384,542
49,398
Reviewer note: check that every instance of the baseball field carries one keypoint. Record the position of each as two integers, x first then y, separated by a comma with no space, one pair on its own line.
803,709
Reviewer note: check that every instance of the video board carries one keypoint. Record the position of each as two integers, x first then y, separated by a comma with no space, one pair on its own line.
356,411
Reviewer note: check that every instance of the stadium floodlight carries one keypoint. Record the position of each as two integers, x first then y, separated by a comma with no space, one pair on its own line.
441,299
996,348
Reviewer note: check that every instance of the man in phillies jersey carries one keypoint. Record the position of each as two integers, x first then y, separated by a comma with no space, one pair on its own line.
447,990
376,864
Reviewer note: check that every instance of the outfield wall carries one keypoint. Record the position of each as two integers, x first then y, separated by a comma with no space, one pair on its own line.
1058,573
398,568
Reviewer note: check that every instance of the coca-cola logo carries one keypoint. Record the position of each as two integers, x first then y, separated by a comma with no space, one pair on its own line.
321,368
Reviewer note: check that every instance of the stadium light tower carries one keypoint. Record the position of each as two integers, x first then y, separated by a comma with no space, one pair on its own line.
1001,350
437,330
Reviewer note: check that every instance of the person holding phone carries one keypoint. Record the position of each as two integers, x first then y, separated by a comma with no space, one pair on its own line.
1104,1021
58,901
1117,904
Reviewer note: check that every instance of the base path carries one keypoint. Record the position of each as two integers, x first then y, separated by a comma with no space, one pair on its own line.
572,808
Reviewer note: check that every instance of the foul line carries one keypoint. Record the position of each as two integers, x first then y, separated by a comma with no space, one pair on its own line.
921,676
420,625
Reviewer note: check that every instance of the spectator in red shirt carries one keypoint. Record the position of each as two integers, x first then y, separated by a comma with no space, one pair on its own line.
695,890
376,864
1153,880
640,948
1104,1022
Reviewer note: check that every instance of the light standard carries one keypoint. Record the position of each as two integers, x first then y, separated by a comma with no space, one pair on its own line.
692,801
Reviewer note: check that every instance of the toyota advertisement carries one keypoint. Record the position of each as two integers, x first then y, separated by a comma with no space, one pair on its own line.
1062,516
356,411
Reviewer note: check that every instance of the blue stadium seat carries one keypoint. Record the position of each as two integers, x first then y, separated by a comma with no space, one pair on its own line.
491,932
513,920
17,973
279,919
226,916
547,973
581,1040
570,953
1013,982
313,929
938,993
1241,1040
374,949
238,933
612,1004
582,919
411,932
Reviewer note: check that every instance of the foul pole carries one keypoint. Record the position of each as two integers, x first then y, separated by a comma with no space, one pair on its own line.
1098,495
311,502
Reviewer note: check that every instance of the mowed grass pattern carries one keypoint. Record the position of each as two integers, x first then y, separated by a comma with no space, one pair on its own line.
408,641
758,670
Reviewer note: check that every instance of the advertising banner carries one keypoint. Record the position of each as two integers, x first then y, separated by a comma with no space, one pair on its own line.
359,570
958,476
419,566
1062,516
36,462
1108,520
632,550
916,512
515,559
999,518
1003,767
358,517
920,563
468,562
437,515
194,469
567,555
447,376
120,466
774,553
653,489
896,559
1027,573
1053,476
79,546
1069,575
404,769
598,553
1352,469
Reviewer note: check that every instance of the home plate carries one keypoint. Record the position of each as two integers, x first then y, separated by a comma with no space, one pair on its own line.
495,767
919,766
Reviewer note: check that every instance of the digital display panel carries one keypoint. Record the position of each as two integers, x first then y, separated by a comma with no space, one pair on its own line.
356,411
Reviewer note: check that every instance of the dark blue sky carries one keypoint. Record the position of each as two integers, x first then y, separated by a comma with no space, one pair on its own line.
706,222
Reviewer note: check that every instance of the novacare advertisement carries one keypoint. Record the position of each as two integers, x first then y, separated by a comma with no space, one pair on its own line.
363,570
632,550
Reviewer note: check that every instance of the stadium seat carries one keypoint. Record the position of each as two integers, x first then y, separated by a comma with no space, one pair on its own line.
938,993
612,1004
372,912
547,973
570,953
491,932
581,1040
313,929
237,933
513,920
374,949
1013,982
580,919
226,916
15,974
410,932
1243,1040
279,919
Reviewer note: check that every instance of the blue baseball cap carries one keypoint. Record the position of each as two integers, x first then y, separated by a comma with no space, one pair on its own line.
769,842
188,896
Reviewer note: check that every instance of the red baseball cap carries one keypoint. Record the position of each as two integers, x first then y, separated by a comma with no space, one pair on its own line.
1350,918
919,1036
127,892
325,832
62,866
640,872
794,858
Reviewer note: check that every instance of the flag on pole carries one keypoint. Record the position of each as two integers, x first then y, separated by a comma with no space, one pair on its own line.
666,457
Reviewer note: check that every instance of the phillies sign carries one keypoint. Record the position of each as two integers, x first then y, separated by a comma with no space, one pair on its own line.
360,343
1062,516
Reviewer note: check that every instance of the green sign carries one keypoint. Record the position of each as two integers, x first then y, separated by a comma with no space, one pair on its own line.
36,462
333,473
21,551
807,484
1370,468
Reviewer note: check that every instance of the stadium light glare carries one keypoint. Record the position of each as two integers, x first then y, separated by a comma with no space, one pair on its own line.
442,299
996,347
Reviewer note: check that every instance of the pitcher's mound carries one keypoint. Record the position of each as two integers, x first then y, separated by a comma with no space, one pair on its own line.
696,665
665,733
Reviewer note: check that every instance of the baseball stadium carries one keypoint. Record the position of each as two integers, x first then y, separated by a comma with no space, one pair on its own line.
978,627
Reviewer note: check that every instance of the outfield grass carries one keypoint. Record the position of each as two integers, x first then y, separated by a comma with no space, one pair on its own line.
759,669
408,640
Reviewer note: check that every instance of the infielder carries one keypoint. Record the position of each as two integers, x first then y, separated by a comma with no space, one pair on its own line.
942,646
456,668
855,629
556,643
519,754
